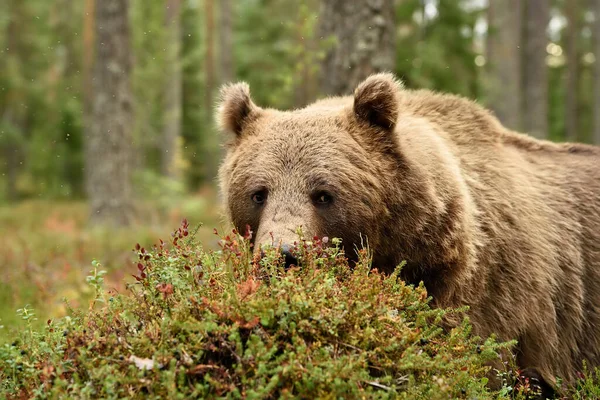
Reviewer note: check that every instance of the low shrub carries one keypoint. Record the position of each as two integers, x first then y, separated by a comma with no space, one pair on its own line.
224,323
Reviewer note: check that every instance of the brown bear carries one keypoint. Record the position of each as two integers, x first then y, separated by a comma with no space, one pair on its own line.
484,216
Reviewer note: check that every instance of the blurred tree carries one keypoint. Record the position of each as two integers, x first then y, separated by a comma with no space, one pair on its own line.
193,118
437,46
47,53
308,54
151,47
276,52
365,42
88,55
170,151
65,90
211,154
12,124
109,141
226,71
596,107
504,60
226,68
28,103
571,35
535,79
209,57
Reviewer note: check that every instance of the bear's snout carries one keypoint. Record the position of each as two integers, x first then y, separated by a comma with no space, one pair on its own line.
290,259
287,252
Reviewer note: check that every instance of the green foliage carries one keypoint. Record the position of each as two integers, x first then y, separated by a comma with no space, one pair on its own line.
149,42
39,96
266,54
200,141
588,386
224,324
278,53
438,52
46,248
96,280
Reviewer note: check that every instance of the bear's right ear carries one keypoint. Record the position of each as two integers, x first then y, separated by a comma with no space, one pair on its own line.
235,107
376,100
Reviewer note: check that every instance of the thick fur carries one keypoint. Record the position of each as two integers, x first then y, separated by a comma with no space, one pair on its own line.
485,216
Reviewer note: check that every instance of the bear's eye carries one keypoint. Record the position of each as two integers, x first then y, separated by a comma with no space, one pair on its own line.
322,198
259,197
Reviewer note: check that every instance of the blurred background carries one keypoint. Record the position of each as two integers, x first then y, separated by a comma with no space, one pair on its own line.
107,135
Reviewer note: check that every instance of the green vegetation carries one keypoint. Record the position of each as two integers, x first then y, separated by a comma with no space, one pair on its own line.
46,248
323,330
43,48
222,323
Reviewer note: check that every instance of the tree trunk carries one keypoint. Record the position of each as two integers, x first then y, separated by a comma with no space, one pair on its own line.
212,154
572,33
535,70
225,41
86,75
10,151
504,42
109,148
88,56
596,109
12,165
209,59
13,113
305,74
173,93
365,42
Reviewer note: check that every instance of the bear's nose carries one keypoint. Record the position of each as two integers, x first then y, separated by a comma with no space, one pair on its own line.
290,259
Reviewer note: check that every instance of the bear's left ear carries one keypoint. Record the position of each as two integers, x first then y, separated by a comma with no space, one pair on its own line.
376,100
235,108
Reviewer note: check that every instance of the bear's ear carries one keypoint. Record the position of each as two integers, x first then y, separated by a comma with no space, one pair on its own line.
376,100
235,107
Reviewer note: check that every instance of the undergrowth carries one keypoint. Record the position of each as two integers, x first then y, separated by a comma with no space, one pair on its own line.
46,247
207,324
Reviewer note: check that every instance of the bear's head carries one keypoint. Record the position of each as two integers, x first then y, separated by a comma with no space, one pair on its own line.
331,169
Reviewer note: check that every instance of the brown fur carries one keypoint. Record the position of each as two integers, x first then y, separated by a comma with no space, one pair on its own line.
486,217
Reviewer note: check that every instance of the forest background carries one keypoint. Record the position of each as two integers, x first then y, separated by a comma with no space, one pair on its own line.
107,135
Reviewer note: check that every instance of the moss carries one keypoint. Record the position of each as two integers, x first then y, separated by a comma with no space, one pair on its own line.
223,323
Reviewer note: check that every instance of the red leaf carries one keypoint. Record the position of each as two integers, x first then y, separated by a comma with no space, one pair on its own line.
248,288
248,324
165,288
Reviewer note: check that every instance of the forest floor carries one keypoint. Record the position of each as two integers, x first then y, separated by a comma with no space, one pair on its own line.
46,250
